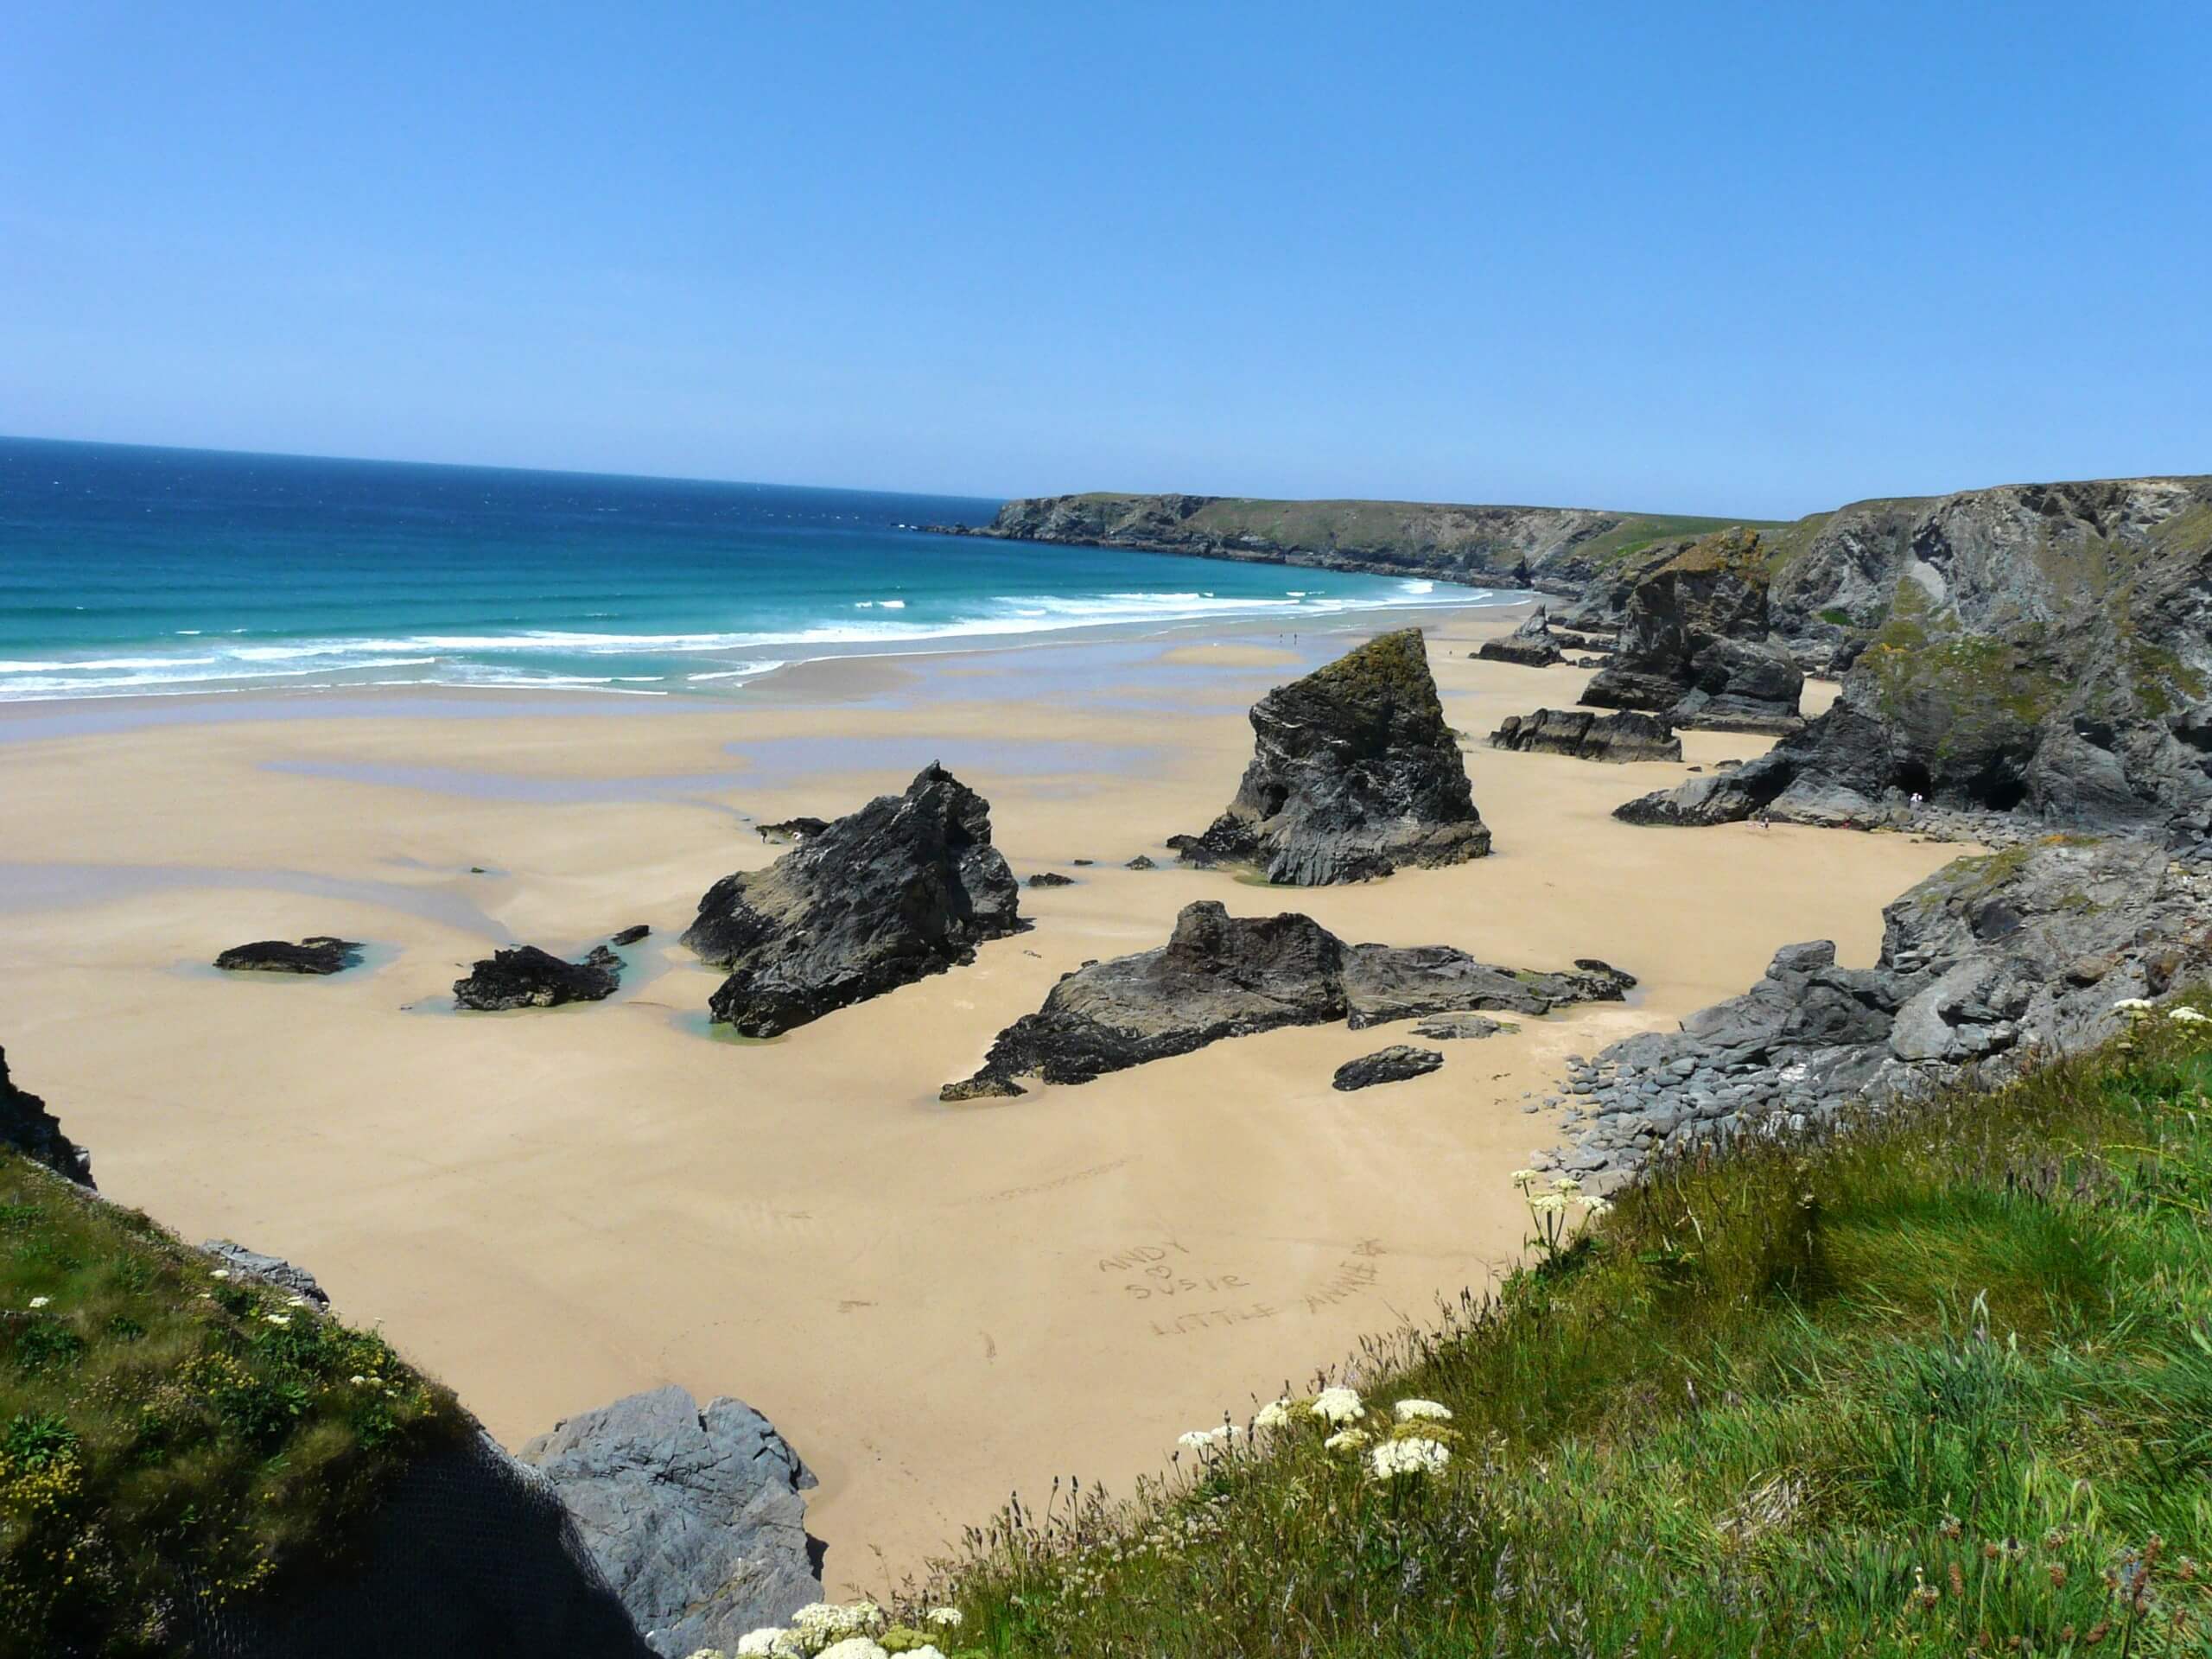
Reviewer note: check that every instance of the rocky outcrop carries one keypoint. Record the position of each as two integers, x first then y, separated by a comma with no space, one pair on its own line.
1529,645
1558,549
693,1515
317,954
1220,976
1051,879
789,829
1994,962
2044,650
1619,737
527,977
29,1128
1695,643
1142,861
631,935
904,888
1355,773
270,1270
1395,1063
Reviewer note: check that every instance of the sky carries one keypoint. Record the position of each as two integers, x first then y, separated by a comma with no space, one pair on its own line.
1754,260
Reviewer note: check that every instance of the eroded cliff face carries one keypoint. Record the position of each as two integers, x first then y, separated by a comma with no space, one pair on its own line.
2042,648
1558,549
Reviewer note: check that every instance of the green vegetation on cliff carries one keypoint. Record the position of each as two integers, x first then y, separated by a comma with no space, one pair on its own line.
1939,1382
170,1429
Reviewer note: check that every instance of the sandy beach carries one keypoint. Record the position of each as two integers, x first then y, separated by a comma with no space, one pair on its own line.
935,1305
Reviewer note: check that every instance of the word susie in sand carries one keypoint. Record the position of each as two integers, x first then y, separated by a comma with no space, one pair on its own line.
1162,1270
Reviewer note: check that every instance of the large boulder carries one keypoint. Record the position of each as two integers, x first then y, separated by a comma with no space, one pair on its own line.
1529,645
693,1515
527,977
1618,737
1355,773
904,888
26,1126
1220,976
2041,650
1696,645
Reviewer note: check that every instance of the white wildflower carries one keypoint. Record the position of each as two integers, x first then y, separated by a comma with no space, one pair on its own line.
1568,1185
1348,1440
221,1273
947,1618
2187,1017
1338,1406
1198,1439
1407,1411
820,1625
361,1383
708,1653
1411,1456
1549,1204
1593,1208
297,1301
1525,1178
1275,1415
41,1301
277,1319
760,1642
2131,1004
853,1647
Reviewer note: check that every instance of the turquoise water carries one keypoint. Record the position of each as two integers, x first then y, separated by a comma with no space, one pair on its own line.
128,571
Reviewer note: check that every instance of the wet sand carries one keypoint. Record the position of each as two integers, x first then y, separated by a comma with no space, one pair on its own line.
938,1304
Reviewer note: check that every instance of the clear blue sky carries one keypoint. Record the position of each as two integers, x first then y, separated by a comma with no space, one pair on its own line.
1756,258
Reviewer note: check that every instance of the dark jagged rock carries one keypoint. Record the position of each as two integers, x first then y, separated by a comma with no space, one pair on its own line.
1696,645
631,935
693,1515
1142,861
1051,879
1447,1027
1599,644
2043,649
1081,863
269,1269
1621,737
1221,976
26,1126
527,977
1355,773
904,888
1393,1065
793,828
317,954
1529,645
1994,962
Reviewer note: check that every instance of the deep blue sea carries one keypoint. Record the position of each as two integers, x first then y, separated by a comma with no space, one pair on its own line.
130,571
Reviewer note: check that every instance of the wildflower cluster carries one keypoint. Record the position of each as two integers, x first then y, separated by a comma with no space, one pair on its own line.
1549,1208
852,1629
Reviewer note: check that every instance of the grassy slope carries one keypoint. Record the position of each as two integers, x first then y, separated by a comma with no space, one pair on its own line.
164,1431
1941,1384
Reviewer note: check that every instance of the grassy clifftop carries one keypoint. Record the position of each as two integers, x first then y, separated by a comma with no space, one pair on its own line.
1940,1384
170,1430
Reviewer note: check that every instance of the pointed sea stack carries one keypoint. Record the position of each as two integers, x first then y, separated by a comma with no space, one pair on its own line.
1355,773
904,888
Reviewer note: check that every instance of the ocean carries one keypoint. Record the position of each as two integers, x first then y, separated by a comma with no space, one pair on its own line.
127,571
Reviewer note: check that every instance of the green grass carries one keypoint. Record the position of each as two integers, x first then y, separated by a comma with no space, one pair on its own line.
166,1432
1936,1383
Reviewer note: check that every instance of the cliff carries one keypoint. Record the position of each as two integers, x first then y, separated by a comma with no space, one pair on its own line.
2043,649
1559,549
